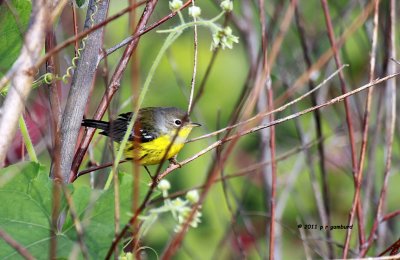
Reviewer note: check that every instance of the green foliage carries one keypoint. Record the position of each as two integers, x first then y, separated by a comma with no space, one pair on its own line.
14,19
26,193
81,3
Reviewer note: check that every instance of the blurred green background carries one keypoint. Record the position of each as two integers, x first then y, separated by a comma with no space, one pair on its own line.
241,212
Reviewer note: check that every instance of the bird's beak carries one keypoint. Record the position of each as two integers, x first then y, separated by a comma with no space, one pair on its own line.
193,124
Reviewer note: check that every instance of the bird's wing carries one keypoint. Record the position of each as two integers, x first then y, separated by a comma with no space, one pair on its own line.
141,133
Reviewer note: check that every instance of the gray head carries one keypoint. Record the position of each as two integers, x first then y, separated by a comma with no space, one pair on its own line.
167,119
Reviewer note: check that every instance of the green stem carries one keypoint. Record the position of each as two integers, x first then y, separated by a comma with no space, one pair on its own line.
180,28
170,39
27,139
181,17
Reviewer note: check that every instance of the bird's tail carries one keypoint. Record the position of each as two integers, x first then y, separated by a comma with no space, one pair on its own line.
105,126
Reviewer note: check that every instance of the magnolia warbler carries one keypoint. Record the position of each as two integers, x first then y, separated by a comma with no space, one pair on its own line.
153,131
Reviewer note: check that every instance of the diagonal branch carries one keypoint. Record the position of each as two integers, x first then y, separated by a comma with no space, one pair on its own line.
14,244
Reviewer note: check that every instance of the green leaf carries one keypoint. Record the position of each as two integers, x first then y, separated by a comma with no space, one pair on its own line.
26,208
14,19
99,215
81,3
26,192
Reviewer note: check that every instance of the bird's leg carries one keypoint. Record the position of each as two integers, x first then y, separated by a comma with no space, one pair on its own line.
173,160
148,172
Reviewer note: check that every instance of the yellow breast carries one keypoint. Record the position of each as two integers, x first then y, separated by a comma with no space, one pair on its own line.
153,152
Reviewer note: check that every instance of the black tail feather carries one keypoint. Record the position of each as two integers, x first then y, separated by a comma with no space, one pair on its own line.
105,126
116,129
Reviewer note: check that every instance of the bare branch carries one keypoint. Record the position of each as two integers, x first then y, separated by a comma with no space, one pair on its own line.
14,244
22,77
340,98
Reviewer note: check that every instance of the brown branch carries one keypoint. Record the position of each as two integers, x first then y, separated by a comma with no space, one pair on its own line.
52,66
252,169
325,57
393,248
14,244
260,115
55,113
86,32
340,98
349,121
75,23
318,129
248,106
359,175
390,126
342,83
145,30
390,215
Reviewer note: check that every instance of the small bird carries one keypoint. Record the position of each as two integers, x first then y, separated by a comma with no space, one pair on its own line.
153,131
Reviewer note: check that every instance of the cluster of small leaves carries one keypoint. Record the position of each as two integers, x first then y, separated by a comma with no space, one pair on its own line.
179,209
221,36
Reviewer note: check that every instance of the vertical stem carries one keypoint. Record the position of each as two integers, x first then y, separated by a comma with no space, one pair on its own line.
83,79
135,86
348,114
116,210
193,82
342,83
52,66
75,22
27,140
390,97
273,171
356,200
318,129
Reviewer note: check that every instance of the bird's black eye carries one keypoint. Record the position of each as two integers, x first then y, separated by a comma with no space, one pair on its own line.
178,122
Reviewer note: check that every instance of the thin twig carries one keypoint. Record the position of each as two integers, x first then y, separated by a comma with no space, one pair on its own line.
390,127
318,129
75,23
77,223
390,215
326,56
265,114
117,216
86,32
340,98
349,121
304,239
55,112
14,244
393,248
193,82
359,176
143,31
232,225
